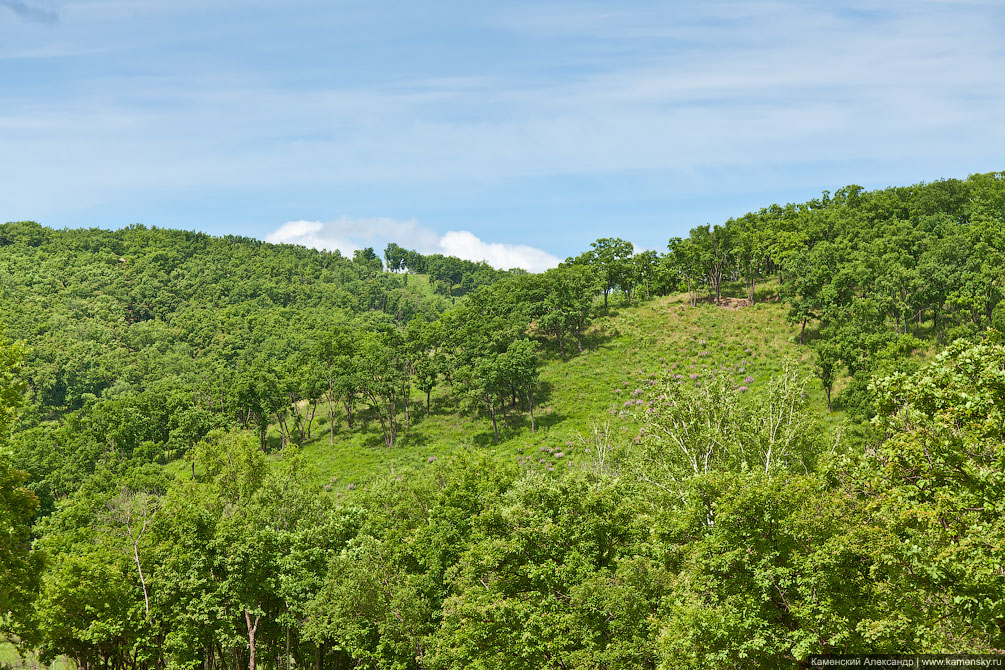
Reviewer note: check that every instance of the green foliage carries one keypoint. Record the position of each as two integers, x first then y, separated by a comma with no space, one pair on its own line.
941,474
670,493
540,585
773,569
19,565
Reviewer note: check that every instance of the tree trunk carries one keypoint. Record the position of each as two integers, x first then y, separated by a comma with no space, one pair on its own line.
427,401
495,428
393,422
283,431
251,638
530,402
802,330
139,568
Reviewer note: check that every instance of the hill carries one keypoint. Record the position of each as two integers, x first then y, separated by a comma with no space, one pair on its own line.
603,390
781,438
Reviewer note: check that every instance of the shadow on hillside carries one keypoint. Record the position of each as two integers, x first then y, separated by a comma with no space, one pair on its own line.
550,351
519,426
592,340
810,335
516,420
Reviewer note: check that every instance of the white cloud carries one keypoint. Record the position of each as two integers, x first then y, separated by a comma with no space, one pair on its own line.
348,234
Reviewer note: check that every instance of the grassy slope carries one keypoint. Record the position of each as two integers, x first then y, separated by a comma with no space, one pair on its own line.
623,352
9,657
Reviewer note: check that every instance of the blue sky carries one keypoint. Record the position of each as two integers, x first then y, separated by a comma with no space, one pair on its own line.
512,131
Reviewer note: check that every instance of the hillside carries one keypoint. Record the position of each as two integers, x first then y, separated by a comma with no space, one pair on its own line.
781,438
605,388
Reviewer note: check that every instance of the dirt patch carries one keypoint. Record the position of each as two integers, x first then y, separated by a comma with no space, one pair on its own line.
734,303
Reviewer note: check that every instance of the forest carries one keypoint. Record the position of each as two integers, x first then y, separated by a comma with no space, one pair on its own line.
783,435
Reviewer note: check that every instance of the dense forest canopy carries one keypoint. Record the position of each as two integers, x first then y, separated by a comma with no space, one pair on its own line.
160,391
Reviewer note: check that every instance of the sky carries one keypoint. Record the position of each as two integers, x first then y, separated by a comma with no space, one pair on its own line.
515,132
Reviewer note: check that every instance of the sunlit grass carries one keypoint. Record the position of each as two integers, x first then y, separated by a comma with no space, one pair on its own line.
625,352
10,658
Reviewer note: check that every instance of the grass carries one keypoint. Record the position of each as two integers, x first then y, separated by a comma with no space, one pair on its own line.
624,353
10,658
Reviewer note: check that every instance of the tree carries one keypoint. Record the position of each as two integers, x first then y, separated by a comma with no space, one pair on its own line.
394,257
425,346
563,301
695,430
19,565
811,272
367,261
260,397
690,263
935,481
384,378
609,255
714,246
646,268
827,360
749,251
690,432
130,513
546,581
518,367
335,353
773,569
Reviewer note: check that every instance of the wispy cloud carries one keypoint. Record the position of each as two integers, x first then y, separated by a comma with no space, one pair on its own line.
31,11
348,234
